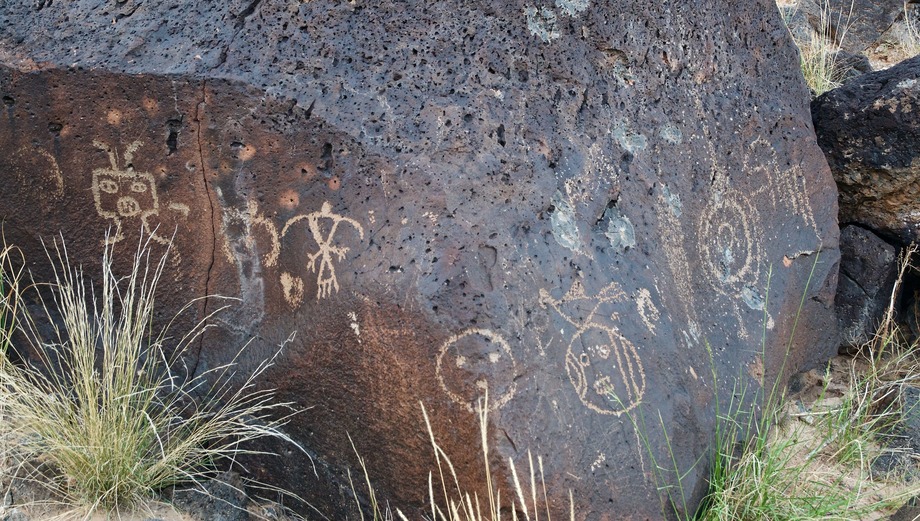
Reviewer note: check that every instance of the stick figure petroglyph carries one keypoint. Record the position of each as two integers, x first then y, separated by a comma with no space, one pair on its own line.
245,222
603,366
121,192
321,262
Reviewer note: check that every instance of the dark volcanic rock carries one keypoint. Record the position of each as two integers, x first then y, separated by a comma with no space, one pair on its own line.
868,269
219,499
564,203
869,130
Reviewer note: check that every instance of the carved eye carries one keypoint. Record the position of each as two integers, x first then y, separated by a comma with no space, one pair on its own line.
138,187
108,186
584,360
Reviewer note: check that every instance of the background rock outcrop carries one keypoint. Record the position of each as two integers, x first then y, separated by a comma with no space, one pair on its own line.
566,203
868,270
869,130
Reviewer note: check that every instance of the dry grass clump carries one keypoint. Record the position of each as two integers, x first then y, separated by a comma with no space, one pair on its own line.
98,402
818,52
449,502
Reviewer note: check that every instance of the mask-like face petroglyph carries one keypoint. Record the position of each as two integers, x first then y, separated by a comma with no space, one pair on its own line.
474,361
323,226
122,193
603,366
730,241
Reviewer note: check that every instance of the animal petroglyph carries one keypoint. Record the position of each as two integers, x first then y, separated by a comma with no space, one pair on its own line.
248,221
121,192
35,160
480,355
323,226
603,366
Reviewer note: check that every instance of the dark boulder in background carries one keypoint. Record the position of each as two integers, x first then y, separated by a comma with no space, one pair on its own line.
869,130
855,25
564,203
868,270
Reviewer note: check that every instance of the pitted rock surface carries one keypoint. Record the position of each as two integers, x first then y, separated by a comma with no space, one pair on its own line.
869,130
564,203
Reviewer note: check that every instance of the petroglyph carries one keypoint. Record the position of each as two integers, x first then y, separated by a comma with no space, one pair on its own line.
27,159
647,310
730,238
480,355
248,221
730,242
787,190
121,192
353,317
603,366
321,262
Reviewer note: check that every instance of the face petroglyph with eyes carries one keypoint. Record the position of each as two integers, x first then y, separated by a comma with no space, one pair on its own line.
603,366
120,192
124,194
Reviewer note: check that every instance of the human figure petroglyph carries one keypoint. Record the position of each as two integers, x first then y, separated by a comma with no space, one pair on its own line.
603,366
249,219
322,262
493,351
120,192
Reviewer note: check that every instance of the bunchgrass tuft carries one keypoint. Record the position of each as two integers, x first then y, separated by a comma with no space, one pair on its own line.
818,51
97,400
449,502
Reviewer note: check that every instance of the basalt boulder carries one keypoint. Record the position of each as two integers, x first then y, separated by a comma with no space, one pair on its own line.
586,208
869,129
868,270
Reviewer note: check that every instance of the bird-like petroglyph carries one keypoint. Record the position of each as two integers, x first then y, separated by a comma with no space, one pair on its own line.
323,227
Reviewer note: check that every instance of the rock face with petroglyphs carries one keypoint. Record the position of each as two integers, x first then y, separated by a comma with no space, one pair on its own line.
869,130
569,203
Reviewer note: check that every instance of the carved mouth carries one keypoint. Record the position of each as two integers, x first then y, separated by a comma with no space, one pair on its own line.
128,207
603,387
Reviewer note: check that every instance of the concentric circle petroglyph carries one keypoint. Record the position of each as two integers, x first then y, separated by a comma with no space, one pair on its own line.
729,241
482,356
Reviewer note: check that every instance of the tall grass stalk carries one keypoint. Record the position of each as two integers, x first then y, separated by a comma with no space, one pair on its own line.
99,399
449,502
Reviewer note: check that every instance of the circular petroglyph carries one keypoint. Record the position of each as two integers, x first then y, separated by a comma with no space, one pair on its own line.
473,361
605,369
32,161
729,243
